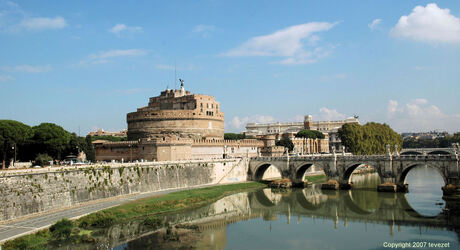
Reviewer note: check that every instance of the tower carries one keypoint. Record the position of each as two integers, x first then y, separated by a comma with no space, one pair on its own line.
308,122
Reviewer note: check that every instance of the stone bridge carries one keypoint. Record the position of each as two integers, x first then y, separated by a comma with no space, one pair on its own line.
430,151
391,168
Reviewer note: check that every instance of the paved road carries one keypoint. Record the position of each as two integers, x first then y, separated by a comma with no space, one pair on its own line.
28,225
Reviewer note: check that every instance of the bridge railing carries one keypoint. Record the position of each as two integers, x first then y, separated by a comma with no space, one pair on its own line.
356,157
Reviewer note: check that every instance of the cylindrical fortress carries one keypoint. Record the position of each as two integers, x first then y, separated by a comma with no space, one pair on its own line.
179,113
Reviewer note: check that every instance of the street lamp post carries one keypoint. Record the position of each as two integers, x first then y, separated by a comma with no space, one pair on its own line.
14,159
130,153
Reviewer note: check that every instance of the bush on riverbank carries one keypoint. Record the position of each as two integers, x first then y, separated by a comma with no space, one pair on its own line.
61,230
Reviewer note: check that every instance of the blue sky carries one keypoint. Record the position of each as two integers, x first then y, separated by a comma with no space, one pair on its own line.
85,64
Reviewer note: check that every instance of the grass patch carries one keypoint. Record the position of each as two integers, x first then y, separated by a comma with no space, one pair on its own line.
316,178
38,240
172,202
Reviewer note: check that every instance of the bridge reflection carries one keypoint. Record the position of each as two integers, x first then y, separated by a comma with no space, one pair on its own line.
351,205
210,222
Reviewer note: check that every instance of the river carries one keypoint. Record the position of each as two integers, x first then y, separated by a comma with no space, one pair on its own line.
308,218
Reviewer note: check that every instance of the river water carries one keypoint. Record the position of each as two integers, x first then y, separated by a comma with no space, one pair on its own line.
308,218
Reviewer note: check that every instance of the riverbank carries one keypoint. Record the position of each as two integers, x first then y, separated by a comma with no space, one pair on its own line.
316,178
148,209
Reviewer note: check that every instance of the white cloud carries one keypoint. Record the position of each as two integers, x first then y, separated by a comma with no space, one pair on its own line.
392,107
287,43
5,78
43,23
14,19
27,68
419,115
326,114
240,123
103,57
429,24
374,23
204,30
120,29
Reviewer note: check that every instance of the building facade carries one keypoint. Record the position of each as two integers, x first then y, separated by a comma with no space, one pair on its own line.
101,132
330,128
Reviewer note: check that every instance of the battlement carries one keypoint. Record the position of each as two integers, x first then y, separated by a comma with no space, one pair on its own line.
244,142
147,114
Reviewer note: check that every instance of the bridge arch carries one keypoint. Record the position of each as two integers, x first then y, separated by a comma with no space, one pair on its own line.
439,152
267,198
411,153
260,170
401,178
311,198
346,178
408,209
301,170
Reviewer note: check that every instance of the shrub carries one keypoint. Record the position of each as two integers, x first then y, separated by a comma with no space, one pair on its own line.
61,230
43,159
100,219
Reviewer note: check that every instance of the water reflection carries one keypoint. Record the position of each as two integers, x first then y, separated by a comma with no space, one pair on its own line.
274,219
425,194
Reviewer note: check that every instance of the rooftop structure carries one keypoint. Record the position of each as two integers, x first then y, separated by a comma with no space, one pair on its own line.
101,132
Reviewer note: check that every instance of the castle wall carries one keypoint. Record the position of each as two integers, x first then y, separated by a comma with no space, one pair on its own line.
176,148
193,127
25,192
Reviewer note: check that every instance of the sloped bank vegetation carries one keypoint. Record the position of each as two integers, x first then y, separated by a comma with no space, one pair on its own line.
149,210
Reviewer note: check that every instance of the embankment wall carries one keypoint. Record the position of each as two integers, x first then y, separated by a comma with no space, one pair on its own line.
31,191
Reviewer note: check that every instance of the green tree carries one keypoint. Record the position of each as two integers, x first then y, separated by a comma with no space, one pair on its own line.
312,134
285,142
233,136
43,159
90,153
61,230
51,139
368,139
108,138
12,134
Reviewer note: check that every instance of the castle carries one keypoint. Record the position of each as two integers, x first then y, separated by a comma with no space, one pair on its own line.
177,125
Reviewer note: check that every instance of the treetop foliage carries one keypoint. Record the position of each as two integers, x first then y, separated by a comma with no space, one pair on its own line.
45,139
368,139
311,134
108,138
285,142
233,136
